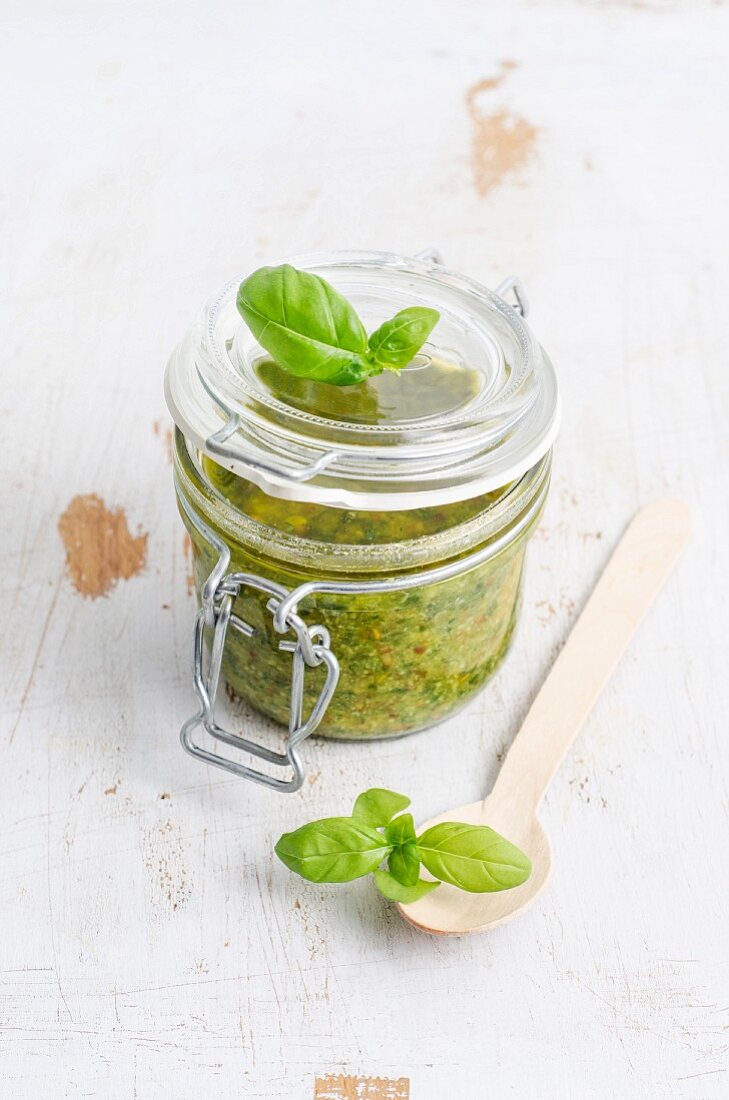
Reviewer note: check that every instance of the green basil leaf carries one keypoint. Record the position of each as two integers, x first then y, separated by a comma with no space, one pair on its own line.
393,890
395,343
401,829
335,849
305,325
473,857
404,863
378,806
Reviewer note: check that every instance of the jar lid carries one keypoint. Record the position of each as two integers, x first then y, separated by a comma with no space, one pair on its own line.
475,410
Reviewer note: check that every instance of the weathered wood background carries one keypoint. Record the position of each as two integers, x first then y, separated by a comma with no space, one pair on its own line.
149,944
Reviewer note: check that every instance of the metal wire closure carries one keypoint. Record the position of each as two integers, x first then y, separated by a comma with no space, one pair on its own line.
311,646
216,445
512,282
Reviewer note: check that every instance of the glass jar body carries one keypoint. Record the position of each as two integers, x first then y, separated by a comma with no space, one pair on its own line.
409,657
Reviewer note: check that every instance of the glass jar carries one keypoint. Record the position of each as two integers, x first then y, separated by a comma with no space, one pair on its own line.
358,551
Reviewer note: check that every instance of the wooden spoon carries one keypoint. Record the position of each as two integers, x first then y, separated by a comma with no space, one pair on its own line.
631,581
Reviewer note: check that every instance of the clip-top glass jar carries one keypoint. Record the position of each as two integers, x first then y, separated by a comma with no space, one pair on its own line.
358,551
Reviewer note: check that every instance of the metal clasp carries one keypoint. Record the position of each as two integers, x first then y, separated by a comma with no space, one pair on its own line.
511,283
514,283
310,649
217,445
430,255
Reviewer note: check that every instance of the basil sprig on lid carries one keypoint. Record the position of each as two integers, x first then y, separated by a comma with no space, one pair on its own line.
309,329
340,849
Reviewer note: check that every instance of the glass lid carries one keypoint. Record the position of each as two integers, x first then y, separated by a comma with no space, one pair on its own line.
475,409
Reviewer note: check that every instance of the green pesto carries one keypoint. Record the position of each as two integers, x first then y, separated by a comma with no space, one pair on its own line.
340,526
408,659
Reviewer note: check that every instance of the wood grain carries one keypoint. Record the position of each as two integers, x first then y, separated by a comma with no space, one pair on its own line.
149,943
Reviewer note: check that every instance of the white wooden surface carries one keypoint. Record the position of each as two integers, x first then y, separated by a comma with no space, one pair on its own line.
149,945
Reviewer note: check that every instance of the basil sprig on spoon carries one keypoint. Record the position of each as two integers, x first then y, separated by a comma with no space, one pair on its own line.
309,329
340,849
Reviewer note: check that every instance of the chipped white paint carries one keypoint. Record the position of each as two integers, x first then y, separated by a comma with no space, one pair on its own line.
149,945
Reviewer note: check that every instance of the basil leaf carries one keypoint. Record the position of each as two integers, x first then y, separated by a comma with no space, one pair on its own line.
393,890
378,806
335,849
473,857
395,343
305,325
401,829
404,863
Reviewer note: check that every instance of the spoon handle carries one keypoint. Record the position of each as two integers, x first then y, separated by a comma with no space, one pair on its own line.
630,583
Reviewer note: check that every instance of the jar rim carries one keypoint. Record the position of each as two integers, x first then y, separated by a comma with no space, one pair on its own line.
520,503
291,453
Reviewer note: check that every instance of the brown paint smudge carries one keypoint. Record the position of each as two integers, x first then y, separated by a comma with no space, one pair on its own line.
339,1087
100,549
502,142
164,433
491,82
187,551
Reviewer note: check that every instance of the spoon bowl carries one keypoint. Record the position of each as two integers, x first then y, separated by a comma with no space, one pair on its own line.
448,911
